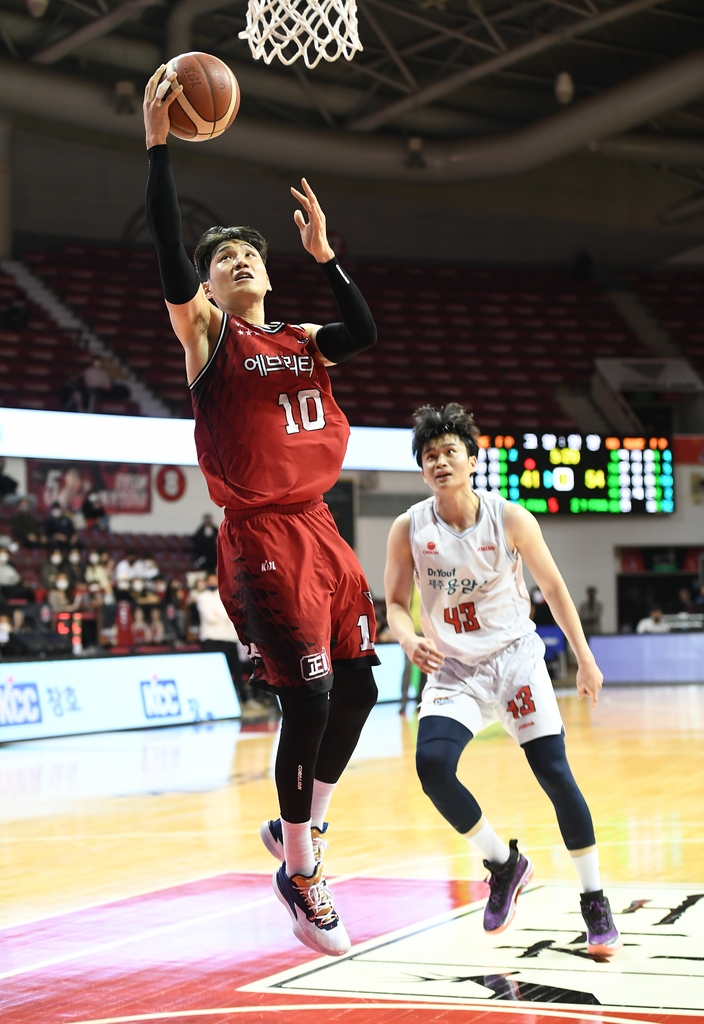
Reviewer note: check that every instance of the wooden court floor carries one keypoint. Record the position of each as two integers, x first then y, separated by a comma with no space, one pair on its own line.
135,887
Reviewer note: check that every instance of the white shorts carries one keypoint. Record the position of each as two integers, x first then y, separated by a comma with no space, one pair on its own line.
512,687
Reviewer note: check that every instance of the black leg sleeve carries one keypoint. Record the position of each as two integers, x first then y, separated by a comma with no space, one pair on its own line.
178,276
548,760
304,717
352,697
440,743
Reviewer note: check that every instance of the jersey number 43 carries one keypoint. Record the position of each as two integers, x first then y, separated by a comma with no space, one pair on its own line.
462,618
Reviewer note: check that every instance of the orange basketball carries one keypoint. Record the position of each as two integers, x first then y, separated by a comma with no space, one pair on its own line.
210,99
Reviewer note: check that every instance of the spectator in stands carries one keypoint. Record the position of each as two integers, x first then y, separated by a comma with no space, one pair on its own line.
653,623
175,608
699,600
73,396
16,315
58,527
98,383
5,633
156,625
147,568
218,634
56,563
10,579
159,587
141,632
75,560
686,601
139,595
125,568
94,512
8,486
60,596
96,572
26,528
590,612
205,545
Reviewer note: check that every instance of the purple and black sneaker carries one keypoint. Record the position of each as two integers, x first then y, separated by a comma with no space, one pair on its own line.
603,937
506,882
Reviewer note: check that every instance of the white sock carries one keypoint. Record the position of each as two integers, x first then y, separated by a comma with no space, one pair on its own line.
298,848
486,841
322,792
587,867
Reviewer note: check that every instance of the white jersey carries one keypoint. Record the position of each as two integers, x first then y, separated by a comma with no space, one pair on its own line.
474,601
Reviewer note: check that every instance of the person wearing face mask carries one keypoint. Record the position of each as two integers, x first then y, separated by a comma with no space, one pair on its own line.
205,544
76,562
58,527
56,563
138,592
60,597
96,571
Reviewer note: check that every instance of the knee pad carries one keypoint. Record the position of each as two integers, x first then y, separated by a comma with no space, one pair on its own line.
547,758
439,746
436,764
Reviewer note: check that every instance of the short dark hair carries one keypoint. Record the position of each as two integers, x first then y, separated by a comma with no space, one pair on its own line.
431,421
217,236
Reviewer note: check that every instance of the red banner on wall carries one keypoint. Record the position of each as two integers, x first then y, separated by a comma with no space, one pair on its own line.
122,486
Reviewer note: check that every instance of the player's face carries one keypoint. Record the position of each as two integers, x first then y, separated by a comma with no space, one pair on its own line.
446,464
238,276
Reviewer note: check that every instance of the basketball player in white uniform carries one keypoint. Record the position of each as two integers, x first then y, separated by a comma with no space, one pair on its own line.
484,659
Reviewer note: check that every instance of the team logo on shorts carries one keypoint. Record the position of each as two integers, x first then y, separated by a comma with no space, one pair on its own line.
443,700
314,666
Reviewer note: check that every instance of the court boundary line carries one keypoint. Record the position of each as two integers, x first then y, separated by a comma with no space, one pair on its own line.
526,1009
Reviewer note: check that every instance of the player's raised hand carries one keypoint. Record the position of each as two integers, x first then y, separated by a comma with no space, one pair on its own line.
589,681
158,97
313,231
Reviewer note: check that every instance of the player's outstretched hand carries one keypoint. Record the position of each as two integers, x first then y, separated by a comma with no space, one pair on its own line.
157,100
589,681
313,231
423,653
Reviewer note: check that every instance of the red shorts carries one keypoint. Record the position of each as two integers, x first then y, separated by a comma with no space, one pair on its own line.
296,594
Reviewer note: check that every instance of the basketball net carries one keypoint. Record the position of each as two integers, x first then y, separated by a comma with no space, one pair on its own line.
313,29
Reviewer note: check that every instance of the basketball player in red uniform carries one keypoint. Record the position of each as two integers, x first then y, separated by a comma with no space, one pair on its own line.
270,440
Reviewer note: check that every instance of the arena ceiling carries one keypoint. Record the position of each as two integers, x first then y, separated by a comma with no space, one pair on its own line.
430,69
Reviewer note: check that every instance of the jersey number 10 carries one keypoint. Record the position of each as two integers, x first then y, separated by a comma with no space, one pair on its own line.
467,624
310,405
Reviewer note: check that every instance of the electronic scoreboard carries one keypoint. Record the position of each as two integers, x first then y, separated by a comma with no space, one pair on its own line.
574,474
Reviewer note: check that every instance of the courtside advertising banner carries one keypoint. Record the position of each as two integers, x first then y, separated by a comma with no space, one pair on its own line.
65,698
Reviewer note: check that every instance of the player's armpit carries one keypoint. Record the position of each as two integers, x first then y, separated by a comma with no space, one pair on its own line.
197,326
312,332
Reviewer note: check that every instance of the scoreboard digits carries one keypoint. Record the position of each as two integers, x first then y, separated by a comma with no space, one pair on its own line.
576,473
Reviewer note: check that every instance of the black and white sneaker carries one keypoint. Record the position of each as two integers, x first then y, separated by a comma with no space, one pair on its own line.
309,902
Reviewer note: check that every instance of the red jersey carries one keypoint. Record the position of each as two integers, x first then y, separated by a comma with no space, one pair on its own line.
268,430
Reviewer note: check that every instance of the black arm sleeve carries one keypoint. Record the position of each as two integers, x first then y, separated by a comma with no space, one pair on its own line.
178,276
357,332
